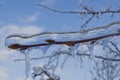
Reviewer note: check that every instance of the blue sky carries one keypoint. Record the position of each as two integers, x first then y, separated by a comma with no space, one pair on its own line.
24,16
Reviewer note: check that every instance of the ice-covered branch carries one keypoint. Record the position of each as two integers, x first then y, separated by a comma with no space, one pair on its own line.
45,71
87,21
78,12
87,11
84,31
99,57
79,54
68,43
115,46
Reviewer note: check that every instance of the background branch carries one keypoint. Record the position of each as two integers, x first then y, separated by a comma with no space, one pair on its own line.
78,12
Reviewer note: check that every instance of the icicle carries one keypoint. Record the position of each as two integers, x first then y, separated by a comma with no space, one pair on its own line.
52,67
45,48
74,49
55,77
37,69
105,42
27,62
91,48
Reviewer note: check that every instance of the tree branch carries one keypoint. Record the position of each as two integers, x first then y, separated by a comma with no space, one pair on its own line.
69,43
87,21
99,57
73,32
78,12
79,54
115,46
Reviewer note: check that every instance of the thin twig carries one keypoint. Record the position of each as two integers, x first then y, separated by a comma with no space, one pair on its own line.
87,21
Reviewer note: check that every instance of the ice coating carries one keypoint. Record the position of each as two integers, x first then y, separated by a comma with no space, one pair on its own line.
45,70
29,41
72,36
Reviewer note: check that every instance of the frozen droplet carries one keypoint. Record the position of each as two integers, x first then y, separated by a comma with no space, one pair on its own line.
55,77
37,69
52,67
100,13
45,48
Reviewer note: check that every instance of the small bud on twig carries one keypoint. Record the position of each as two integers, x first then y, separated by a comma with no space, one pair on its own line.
70,44
14,46
50,41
